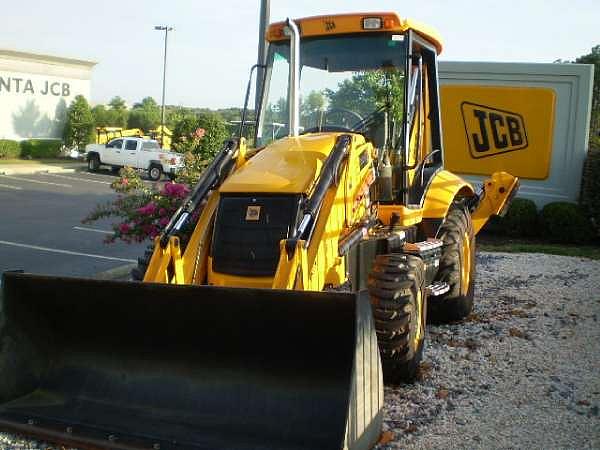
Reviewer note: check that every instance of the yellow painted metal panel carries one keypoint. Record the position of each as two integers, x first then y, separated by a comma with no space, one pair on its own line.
489,129
444,187
353,23
289,165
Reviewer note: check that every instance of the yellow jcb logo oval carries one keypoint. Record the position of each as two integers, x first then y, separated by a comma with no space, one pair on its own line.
492,131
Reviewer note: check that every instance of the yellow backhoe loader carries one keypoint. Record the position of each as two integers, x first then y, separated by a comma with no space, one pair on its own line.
306,279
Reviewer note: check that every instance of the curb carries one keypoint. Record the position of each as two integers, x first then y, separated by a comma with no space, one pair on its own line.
34,171
122,273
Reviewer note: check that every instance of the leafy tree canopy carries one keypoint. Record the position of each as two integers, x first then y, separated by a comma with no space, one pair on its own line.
79,127
594,58
144,115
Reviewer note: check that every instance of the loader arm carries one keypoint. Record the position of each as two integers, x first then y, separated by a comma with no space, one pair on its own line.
494,198
169,263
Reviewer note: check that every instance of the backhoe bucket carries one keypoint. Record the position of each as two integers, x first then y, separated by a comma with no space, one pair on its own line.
107,364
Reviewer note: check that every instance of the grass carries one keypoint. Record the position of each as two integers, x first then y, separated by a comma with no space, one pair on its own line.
39,161
495,244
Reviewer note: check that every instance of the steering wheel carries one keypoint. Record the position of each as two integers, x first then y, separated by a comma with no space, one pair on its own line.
335,128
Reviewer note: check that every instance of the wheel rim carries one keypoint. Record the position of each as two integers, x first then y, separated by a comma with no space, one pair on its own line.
420,330
465,266
154,173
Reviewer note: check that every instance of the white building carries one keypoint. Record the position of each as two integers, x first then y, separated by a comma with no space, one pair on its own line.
35,92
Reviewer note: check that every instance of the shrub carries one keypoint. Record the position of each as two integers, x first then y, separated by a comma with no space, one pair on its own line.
520,220
215,134
590,187
142,212
41,148
9,149
565,223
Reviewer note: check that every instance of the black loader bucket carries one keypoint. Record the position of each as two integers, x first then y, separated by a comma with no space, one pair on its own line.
106,364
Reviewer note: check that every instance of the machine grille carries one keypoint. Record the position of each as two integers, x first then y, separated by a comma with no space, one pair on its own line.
248,230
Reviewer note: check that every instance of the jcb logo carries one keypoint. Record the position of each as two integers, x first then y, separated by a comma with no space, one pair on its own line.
492,131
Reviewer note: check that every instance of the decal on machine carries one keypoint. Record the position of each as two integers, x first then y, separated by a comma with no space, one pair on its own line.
492,131
253,213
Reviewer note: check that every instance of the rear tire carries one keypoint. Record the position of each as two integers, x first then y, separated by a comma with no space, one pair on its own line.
93,163
397,291
457,268
154,172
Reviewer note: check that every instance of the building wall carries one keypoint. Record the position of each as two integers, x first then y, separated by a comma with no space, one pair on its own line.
555,98
35,92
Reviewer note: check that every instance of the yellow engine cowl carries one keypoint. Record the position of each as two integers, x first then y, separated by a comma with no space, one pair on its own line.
287,166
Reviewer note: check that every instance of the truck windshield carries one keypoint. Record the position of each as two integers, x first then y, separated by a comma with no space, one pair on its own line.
346,83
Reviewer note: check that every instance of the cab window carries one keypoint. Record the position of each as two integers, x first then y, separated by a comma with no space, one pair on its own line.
118,143
150,146
130,145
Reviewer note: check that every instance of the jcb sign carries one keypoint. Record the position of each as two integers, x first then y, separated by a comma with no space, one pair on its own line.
492,131
492,128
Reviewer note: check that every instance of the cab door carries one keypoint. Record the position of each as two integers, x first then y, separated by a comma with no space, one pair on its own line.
130,152
112,152
423,124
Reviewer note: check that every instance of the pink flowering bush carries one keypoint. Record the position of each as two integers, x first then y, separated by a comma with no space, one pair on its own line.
142,212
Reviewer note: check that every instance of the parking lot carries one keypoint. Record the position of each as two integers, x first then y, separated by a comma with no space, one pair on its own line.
41,230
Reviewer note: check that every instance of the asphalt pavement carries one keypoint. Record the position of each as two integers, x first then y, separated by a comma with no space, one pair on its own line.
41,230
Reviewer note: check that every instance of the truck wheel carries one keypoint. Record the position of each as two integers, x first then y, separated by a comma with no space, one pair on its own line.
397,291
457,268
137,273
154,172
115,169
93,163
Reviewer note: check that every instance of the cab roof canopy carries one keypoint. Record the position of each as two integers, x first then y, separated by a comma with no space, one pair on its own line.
353,23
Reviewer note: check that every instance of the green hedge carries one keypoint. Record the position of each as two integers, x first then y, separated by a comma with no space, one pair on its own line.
565,223
590,187
520,220
9,149
41,148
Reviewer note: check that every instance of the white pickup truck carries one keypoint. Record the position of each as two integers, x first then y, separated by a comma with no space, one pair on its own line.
134,152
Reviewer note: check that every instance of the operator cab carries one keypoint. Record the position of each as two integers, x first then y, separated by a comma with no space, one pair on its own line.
371,74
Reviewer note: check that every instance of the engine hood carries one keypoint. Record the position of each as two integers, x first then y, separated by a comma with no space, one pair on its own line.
287,166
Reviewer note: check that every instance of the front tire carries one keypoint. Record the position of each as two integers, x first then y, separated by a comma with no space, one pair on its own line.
398,299
457,268
93,163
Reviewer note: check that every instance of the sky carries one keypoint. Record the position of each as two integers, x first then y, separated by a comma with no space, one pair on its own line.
214,44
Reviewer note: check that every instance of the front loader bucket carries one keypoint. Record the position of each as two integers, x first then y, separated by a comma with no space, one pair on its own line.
106,364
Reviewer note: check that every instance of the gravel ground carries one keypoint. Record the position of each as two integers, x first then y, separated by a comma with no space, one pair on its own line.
523,371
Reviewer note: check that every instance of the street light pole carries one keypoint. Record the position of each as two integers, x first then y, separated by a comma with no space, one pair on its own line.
166,29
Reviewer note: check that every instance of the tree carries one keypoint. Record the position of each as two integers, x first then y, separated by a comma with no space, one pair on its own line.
79,127
184,139
100,114
367,91
117,114
594,58
311,106
144,115
117,104
215,134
